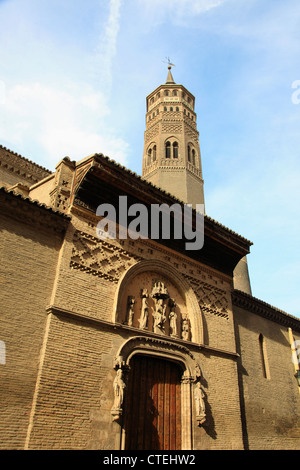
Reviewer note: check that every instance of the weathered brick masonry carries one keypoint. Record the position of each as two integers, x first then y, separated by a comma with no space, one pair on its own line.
31,237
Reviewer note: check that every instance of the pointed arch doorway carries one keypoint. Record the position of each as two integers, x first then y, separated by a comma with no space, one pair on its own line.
152,409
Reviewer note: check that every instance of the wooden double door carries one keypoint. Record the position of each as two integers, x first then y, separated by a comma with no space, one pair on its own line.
152,408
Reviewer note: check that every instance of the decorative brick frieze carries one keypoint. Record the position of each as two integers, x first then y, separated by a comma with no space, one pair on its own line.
99,258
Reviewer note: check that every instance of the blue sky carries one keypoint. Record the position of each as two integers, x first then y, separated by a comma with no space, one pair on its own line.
73,80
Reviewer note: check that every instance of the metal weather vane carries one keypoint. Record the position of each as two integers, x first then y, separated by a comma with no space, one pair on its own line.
168,62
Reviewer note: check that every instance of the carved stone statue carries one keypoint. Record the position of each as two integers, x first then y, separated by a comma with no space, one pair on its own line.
173,318
130,312
185,328
159,316
199,404
159,290
118,387
143,321
159,294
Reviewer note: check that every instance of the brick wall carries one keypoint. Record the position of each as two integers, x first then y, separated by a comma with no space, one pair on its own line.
270,402
222,429
27,272
69,412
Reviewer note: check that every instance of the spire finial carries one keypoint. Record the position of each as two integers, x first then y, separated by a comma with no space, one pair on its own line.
170,65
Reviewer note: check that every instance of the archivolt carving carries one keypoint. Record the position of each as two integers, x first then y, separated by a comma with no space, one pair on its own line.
164,301
160,348
191,374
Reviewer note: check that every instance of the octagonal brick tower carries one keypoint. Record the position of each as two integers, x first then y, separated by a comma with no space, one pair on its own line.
172,159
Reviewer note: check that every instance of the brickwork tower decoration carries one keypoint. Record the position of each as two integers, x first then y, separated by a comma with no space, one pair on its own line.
172,158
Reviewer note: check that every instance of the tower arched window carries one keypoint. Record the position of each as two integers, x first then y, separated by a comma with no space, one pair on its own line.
177,109
166,92
174,93
189,153
171,108
165,108
168,149
149,156
193,157
154,153
175,149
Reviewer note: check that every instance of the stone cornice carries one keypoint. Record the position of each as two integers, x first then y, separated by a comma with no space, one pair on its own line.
58,311
254,305
164,86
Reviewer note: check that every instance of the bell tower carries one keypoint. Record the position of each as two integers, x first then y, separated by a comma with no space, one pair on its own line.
172,159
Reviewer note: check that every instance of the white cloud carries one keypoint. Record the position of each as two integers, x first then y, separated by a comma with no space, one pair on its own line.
66,115
186,7
105,51
59,122
177,11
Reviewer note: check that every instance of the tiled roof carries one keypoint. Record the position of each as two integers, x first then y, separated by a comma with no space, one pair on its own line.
123,168
25,159
33,201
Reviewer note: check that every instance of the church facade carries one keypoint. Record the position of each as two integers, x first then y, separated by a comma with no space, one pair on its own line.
133,342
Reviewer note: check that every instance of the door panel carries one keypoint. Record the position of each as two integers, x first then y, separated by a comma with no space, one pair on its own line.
152,409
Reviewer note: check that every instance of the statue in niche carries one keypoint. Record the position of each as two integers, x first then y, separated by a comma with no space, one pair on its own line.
130,312
118,387
159,294
159,316
143,321
185,328
173,318
199,404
